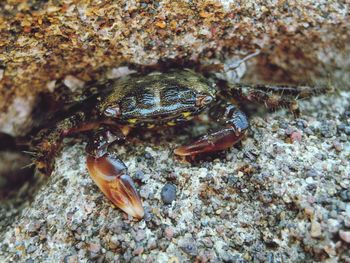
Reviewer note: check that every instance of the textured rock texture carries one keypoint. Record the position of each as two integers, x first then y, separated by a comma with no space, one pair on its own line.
45,43
283,196
271,200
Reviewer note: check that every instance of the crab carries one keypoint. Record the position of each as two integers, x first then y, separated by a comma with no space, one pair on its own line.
153,100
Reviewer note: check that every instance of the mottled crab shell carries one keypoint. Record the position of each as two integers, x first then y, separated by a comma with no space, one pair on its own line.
153,84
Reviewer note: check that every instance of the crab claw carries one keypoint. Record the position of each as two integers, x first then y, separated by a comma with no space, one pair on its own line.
217,141
110,175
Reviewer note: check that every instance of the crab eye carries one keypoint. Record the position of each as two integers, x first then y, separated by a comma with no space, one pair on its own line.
112,111
203,99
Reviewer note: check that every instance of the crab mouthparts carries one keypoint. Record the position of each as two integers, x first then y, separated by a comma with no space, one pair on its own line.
110,175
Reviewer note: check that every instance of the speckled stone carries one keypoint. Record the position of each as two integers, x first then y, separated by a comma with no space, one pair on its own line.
345,235
168,193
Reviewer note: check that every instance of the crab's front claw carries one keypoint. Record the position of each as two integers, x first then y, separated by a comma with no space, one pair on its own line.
235,125
110,175
217,141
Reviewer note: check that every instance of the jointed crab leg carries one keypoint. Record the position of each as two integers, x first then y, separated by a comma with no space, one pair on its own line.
48,141
235,123
111,176
301,91
273,97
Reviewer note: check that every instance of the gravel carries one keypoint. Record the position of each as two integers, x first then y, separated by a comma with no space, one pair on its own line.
168,193
272,199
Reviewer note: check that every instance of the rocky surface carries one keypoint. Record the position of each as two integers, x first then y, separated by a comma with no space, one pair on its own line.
281,197
44,44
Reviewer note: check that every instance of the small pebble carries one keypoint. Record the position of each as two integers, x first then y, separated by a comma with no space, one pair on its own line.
138,251
330,250
168,193
309,180
114,243
333,225
189,248
34,226
148,156
309,211
70,259
345,195
341,127
169,232
139,175
347,221
145,192
343,138
345,235
296,136
173,260
218,212
94,248
328,129
140,235
289,131
337,146
31,249
151,244
220,229
315,229
301,123
207,242
312,173
308,131
347,130
127,256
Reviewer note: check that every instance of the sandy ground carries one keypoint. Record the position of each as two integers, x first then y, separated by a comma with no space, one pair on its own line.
283,196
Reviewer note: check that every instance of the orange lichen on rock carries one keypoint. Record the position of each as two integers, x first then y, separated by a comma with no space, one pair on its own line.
41,42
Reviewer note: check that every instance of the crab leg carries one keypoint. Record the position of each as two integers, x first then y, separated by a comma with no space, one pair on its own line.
235,125
255,93
111,176
274,97
48,141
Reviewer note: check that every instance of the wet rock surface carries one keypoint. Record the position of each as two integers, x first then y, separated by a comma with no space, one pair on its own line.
272,199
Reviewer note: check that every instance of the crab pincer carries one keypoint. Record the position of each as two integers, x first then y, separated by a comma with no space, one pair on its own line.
111,175
217,141
236,124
